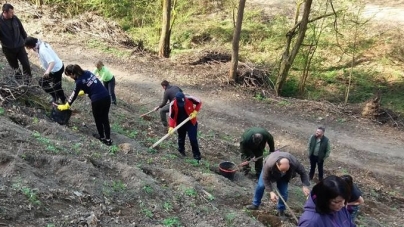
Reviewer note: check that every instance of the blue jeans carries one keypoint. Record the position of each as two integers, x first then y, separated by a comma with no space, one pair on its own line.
353,211
281,184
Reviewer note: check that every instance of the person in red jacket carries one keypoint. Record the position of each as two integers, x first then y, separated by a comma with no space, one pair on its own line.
180,109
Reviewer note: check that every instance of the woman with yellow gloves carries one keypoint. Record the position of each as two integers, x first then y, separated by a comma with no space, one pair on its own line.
180,109
87,83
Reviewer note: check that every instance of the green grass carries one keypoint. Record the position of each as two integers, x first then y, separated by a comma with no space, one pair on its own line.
30,194
191,192
171,222
167,206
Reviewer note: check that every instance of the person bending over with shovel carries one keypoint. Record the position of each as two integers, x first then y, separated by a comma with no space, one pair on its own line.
280,168
252,148
185,108
169,95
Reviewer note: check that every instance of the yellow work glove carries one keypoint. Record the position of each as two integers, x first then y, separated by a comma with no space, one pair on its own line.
64,107
81,92
170,130
193,114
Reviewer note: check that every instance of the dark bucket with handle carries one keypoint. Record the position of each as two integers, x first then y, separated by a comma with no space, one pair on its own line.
228,169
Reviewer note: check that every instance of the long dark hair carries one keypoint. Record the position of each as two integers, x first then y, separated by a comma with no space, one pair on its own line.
326,190
74,70
348,179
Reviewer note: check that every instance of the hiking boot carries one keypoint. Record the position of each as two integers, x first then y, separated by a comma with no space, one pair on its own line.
97,136
252,207
246,170
281,215
107,142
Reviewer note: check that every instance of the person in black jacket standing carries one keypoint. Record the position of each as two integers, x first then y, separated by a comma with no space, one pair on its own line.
12,36
169,95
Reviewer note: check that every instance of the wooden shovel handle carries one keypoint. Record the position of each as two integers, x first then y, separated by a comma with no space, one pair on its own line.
151,111
168,134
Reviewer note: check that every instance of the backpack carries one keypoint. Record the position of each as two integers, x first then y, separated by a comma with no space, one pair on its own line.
61,117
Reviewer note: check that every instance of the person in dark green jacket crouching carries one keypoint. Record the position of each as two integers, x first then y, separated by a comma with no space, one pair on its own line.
252,146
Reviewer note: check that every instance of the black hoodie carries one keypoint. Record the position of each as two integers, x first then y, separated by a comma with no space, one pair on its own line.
12,33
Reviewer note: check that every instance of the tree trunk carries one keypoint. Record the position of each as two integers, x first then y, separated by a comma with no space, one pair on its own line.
289,56
236,41
306,70
164,45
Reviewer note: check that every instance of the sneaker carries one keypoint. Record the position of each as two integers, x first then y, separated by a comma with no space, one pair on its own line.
281,215
107,142
252,207
95,135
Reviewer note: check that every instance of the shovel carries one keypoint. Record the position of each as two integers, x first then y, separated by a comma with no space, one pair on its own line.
248,162
168,134
287,206
144,116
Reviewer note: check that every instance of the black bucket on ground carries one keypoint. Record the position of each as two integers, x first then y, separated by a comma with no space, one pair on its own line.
228,169
61,117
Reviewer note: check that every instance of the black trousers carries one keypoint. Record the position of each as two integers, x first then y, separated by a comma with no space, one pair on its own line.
192,131
110,86
54,89
13,55
100,112
314,160
247,155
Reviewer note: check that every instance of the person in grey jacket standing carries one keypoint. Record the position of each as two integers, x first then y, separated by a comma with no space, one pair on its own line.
319,149
12,36
169,95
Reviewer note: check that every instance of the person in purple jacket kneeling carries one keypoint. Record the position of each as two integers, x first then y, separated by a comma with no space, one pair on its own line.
326,205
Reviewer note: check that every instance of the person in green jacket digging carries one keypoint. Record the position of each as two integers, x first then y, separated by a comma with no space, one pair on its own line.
252,146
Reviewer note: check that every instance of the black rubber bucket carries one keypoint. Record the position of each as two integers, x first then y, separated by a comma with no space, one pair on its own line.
228,169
